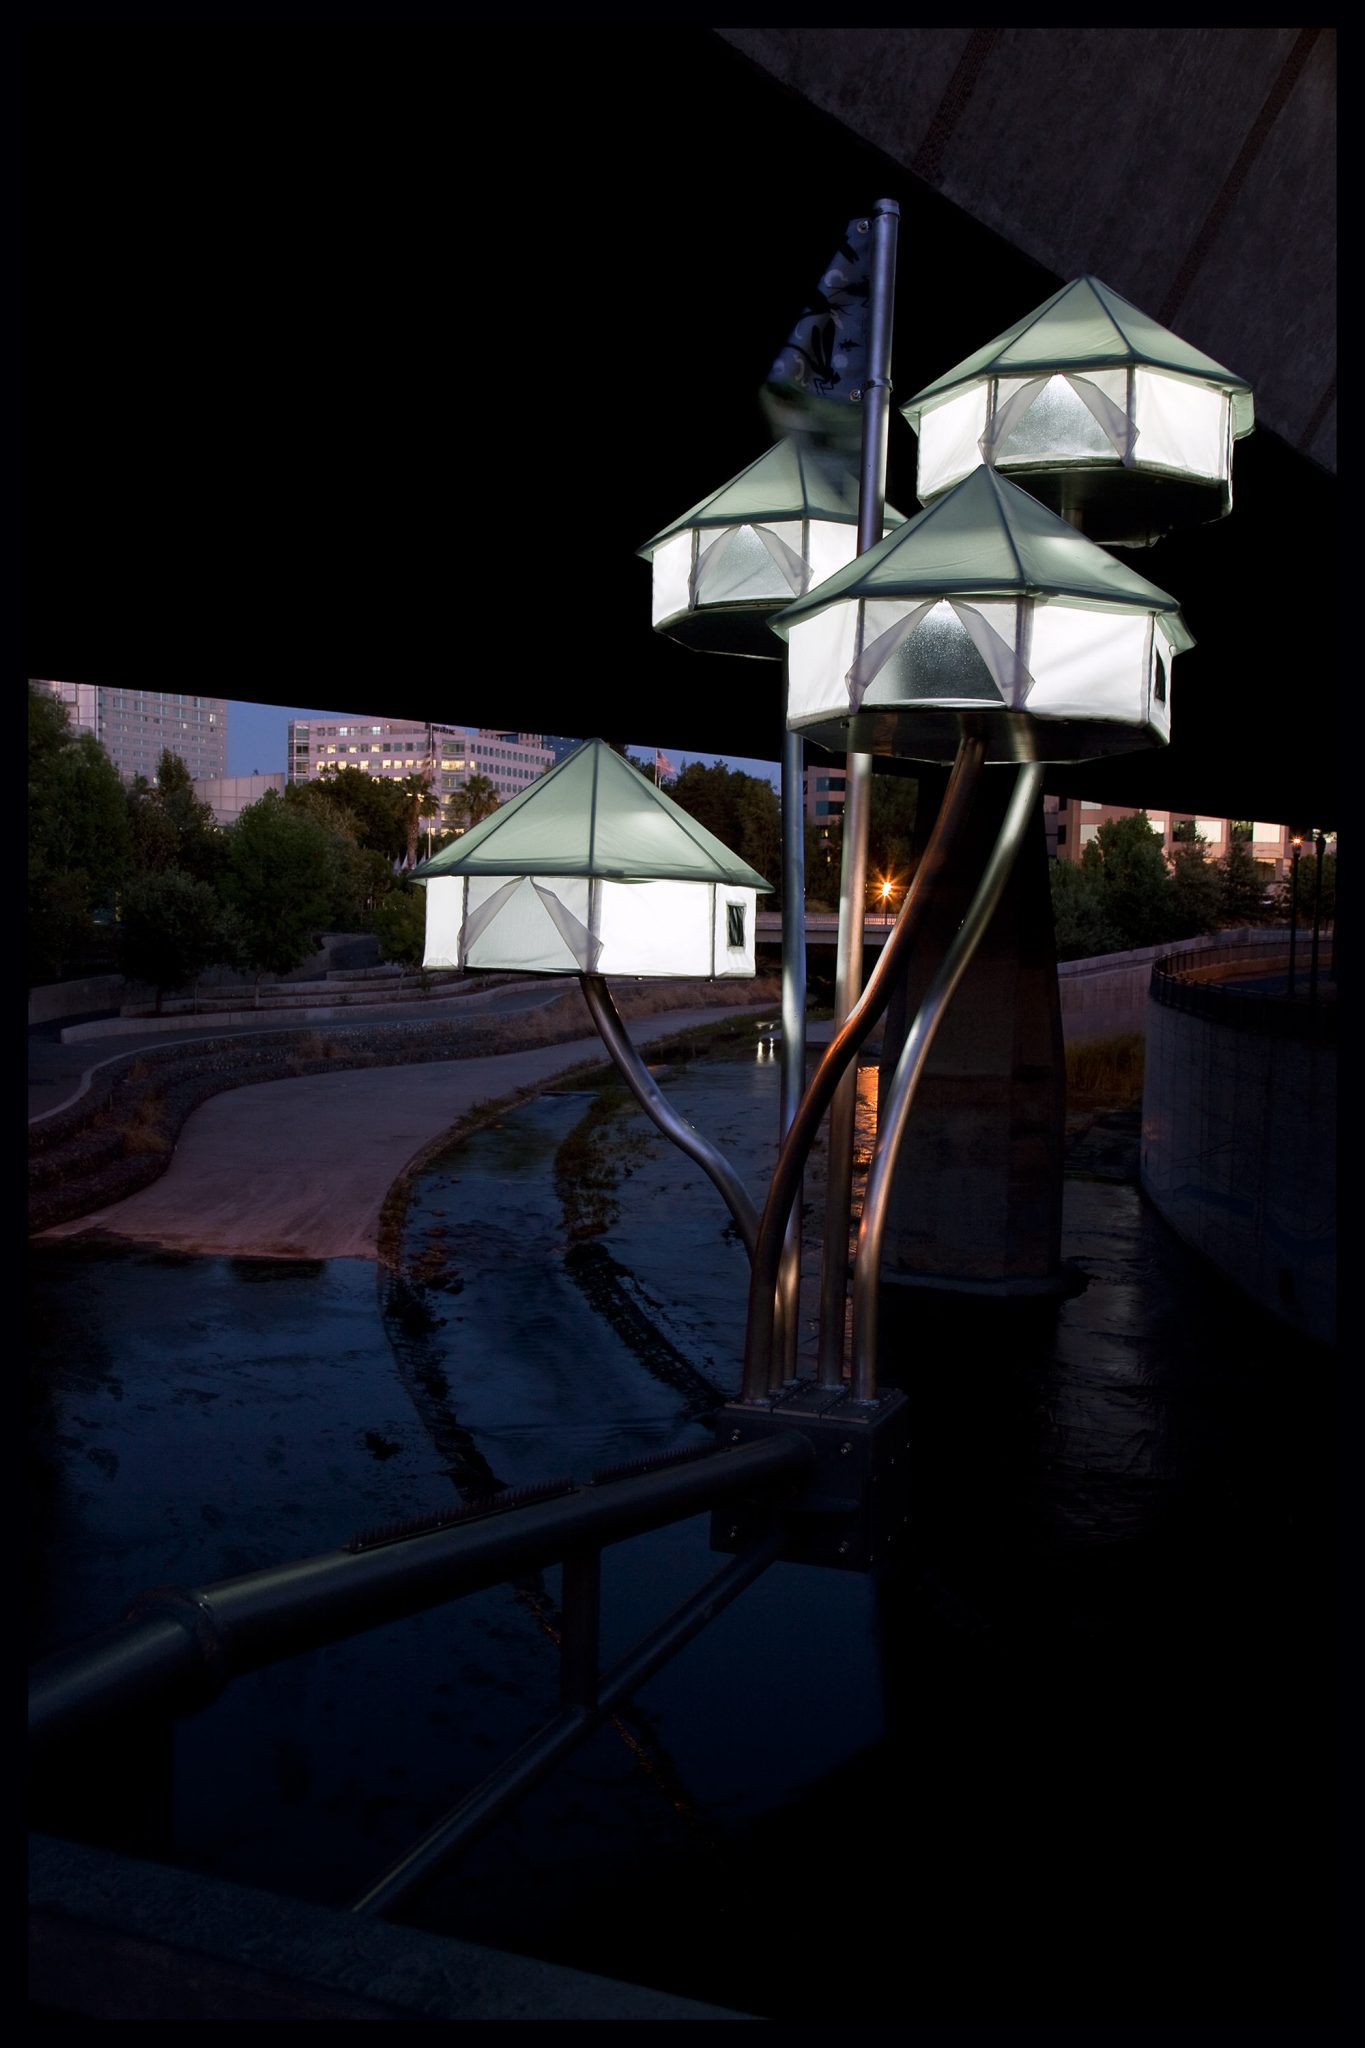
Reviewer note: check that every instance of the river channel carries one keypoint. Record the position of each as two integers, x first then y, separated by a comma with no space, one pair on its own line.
1067,1760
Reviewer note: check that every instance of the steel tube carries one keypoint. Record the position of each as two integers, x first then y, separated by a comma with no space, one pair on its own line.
895,1106
246,1623
793,1046
876,402
843,1047
642,1086
486,1804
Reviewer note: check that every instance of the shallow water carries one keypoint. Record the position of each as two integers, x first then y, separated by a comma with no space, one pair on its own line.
1067,1760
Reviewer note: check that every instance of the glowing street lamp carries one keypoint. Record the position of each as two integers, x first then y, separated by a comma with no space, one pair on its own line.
1103,414
985,605
594,871
984,630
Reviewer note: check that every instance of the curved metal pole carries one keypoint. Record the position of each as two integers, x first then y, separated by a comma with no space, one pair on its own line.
638,1079
894,1109
791,1160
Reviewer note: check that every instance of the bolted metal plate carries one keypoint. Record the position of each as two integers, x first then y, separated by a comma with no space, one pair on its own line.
855,1509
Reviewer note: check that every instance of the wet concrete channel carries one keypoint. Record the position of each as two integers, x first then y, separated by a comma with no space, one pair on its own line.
1067,1760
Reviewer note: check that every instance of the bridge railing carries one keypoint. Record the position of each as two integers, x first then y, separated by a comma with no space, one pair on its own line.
177,1649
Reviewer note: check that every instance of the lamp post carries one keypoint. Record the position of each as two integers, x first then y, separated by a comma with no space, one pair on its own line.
594,871
985,630
1295,847
1319,845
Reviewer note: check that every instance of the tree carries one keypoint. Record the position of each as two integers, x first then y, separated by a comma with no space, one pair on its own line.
893,801
1284,889
470,805
170,826
742,811
1196,890
1241,886
373,806
1079,914
1127,859
419,799
171,928
401,922
824,862
280,879
79,846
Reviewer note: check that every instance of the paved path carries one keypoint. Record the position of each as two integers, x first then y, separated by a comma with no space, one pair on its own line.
300,1168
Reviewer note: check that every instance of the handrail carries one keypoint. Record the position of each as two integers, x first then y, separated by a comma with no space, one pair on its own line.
177,1649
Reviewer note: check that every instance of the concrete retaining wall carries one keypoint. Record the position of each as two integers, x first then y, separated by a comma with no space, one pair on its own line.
1106,996
1238,1145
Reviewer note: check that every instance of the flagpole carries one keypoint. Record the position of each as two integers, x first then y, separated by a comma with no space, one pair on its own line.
876,403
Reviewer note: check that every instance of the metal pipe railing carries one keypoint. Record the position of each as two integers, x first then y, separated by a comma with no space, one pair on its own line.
487,1803
177,1649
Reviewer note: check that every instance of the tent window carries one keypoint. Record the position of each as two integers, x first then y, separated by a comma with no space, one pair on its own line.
1160,691
734,924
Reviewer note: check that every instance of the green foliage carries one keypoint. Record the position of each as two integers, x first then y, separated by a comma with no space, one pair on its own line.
169,825
469,806
419,801
372,806
1196,891
1126,859
282,881
400,922
1279,907
743,812
1242,886
824,857
893,802
171,928
79,846
1079,915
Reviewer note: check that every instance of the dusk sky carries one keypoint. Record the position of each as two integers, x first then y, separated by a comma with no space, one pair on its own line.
257,735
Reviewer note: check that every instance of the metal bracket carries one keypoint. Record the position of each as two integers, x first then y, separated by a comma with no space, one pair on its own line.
854,1511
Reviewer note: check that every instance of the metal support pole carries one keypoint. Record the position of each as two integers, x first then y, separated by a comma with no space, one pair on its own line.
952,817
895,1107
793,1048
857,792
1320,845
638,1079
580,1632
1293,910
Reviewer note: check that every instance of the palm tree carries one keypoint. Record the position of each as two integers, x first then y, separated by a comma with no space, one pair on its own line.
419,792
469,806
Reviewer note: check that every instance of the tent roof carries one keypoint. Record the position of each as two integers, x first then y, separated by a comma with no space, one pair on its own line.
1086,325
593,814
792,481
988,538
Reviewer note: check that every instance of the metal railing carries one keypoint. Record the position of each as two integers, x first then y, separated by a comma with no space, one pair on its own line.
177,1649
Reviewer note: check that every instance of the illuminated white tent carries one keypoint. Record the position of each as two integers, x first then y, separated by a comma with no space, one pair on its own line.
1099,411
591,870
786,522
986,604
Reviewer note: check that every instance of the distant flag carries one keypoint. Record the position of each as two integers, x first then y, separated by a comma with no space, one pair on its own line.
810,388
662,766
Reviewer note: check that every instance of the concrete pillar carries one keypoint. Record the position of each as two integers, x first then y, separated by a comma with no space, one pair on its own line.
976,1203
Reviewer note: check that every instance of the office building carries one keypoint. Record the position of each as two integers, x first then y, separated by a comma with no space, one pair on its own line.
394,748
135,726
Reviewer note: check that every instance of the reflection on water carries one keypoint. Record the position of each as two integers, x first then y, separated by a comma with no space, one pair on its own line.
1065,1760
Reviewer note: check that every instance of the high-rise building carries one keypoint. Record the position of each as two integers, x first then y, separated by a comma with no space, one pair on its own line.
135,726
1072,824
394,748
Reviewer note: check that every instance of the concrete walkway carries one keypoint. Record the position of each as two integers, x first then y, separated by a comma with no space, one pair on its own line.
299,1169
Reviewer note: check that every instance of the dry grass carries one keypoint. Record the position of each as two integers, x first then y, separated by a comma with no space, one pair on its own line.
1106,1074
